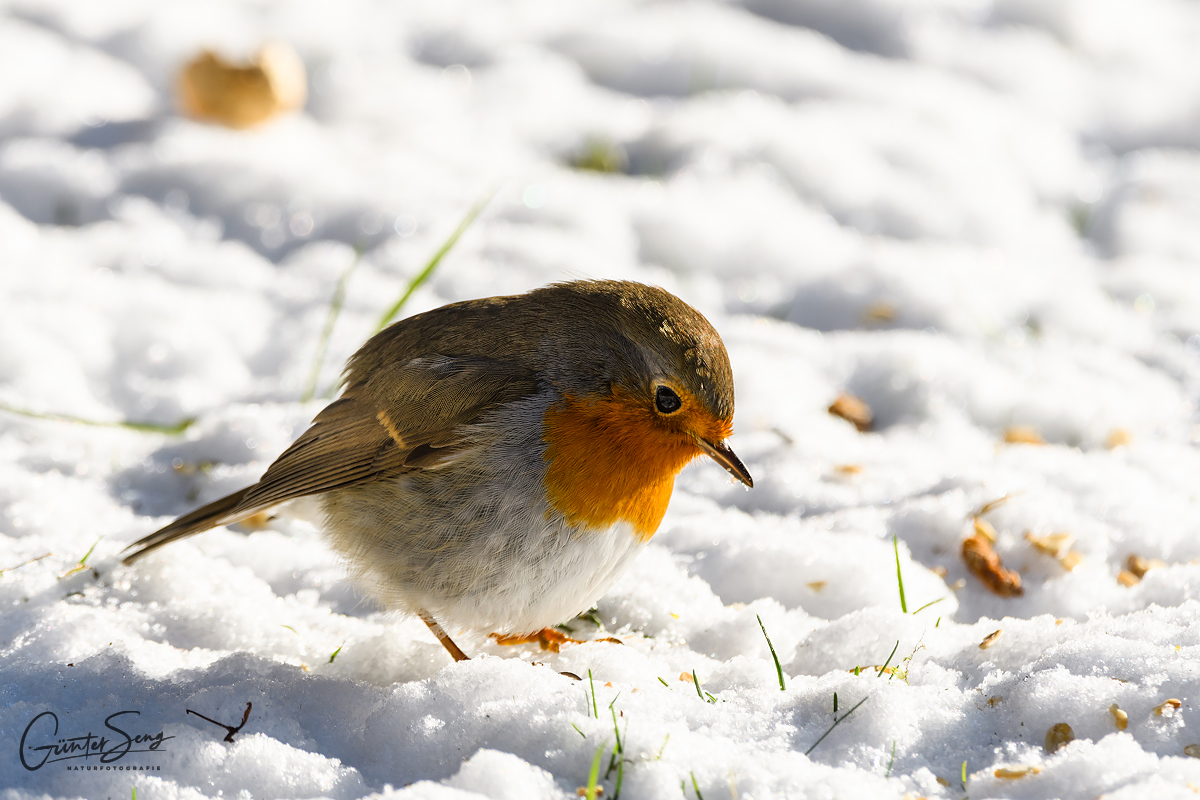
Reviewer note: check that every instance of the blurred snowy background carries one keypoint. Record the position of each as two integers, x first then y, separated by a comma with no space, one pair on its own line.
981,217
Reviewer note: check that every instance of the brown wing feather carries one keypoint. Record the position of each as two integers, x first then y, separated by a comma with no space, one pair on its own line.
414,415
345,446
406,416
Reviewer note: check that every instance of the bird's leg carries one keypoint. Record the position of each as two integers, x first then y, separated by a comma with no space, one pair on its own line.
454,650
548,638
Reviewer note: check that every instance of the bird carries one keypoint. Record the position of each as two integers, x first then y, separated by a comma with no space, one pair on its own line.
496,464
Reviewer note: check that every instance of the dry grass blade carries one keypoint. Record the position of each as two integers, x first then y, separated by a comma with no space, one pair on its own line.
25,563
994,504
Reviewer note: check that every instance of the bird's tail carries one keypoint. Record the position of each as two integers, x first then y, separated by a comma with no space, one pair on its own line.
219,512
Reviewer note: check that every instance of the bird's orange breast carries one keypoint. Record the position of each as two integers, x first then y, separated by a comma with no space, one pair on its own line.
610,460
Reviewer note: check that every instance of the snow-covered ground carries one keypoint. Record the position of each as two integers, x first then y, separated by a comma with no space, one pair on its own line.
977,215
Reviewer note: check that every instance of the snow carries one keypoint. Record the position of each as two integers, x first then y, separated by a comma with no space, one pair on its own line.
973,215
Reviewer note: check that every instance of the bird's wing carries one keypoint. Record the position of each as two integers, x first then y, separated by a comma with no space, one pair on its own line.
414,415
402,416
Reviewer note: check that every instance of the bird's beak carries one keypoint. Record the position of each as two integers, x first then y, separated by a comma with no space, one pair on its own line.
720,453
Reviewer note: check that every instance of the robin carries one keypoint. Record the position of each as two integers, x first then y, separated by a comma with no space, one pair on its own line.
496,464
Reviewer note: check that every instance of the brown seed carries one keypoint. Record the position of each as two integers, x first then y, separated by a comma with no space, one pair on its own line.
1052,544
1013,773
879,312
1059,736
1119,717
942,781
687,676
1023,434
1173,704
1127,578
243,95
990,639
1140,566
1192,750
854,410
1118,437
848,469
985,529
994,699
816,586
1070,560
582,791
984,564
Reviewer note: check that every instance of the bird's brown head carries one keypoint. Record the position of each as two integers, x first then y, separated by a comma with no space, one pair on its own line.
657,391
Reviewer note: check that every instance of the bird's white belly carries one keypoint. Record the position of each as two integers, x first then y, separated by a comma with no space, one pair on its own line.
488,559
566,572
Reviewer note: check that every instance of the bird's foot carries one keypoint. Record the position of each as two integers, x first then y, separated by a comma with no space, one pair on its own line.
548,638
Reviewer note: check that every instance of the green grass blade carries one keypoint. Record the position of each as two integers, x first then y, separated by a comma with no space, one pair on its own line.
335,309
621,766
592,792
836,722
433,263
145,427
778,668
899,577
88,554
883,669
927,605
82,563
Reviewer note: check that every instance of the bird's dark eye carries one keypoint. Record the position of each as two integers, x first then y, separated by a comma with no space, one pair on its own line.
666,401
